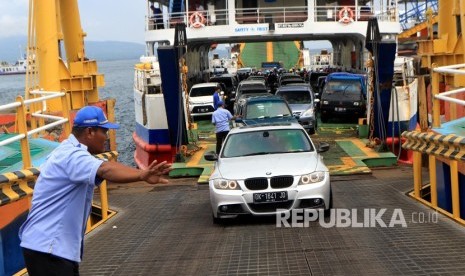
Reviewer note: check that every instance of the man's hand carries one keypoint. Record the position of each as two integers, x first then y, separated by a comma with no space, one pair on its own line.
153,174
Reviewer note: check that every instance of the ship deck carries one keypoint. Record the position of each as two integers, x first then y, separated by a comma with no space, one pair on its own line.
168,230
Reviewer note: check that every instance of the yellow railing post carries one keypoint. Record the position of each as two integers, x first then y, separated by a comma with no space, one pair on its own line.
454,182
67,125
22,129
111,118
417,173
436,102
104,199
433,180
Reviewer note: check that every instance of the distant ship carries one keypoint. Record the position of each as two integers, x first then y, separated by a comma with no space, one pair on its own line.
20,67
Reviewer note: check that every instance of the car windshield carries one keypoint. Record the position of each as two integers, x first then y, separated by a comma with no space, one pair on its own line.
267,109
202,91
347,88
295,97
266,142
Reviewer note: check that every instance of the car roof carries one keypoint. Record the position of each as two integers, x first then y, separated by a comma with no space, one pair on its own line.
206,84
251,82
261,97
222,76
266,126
294,87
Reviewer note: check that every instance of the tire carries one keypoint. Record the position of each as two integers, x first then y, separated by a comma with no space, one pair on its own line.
328,211
312,131
217,221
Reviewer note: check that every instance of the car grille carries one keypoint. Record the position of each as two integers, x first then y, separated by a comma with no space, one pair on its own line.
297,113
284,181
256,183
270,207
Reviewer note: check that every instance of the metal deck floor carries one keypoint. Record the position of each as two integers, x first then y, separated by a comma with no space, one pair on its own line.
169,231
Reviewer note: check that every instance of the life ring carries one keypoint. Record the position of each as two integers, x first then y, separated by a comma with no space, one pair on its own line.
197,20
346,15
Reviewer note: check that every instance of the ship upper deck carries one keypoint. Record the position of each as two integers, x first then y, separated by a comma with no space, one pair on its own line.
241,21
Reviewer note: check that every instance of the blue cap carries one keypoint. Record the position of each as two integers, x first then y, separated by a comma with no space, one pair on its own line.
219,103
92,116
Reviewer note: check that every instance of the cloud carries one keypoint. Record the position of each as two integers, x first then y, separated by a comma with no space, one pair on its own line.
13,25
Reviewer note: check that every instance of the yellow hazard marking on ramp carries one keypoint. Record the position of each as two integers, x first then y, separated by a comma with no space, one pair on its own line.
368,151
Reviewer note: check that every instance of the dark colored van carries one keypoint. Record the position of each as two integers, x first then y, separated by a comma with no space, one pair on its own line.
343,95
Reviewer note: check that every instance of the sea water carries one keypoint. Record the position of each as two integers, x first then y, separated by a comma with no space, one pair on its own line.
119,78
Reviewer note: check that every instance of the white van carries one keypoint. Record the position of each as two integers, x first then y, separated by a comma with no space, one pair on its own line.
201,98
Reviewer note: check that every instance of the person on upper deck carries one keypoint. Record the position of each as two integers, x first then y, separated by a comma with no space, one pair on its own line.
157,15
52,237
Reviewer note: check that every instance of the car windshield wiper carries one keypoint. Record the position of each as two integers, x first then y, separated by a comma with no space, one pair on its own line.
257,153
263,117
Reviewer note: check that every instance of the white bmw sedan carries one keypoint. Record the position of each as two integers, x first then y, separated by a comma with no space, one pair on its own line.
265,169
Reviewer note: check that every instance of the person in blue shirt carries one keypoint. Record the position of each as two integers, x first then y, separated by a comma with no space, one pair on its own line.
216,98
220,119
52,235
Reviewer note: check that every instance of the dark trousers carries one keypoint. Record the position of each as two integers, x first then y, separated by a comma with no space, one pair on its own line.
220,139
38,264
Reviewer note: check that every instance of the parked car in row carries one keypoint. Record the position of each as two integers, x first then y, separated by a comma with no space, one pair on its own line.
201,98
302,103
263,170
267,108
343,95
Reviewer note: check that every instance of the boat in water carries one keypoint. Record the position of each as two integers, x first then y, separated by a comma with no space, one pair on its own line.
20,67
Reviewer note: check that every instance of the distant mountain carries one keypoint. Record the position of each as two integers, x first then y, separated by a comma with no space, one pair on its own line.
99,50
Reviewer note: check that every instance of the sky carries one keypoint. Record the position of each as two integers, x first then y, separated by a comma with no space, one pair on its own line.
102,20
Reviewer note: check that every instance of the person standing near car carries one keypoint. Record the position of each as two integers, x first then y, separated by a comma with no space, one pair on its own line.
220,119
52,237
216,97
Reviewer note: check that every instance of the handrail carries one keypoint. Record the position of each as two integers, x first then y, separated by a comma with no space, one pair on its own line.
458,69
260,15
447,149
23,134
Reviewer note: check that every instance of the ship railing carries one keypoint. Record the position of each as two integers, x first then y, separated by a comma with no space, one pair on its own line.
147,80
336,13
205,18
272,15
290,14
441,149
20,181
21,117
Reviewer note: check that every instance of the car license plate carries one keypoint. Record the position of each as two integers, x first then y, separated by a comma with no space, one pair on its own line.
340,109
269,197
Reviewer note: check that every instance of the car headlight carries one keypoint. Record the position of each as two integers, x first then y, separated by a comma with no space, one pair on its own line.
325,102
314,177
356,103
225,184
308,113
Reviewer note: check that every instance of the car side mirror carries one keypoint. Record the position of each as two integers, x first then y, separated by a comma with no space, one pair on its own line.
316,100
211,156
322,147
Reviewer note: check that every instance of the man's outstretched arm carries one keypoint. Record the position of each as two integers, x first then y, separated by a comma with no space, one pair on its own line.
119,173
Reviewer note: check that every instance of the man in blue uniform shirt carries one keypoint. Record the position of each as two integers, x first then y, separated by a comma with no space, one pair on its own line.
52,235
220,119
